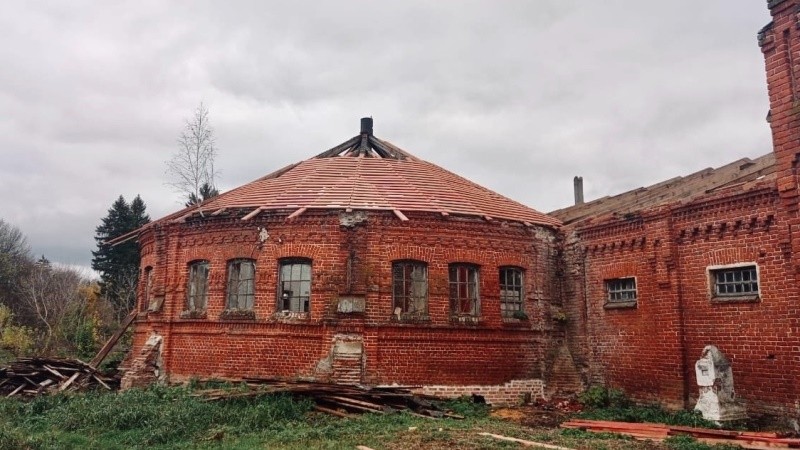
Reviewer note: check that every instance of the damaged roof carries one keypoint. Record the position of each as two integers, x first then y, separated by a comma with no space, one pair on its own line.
743,174
364,173
367,173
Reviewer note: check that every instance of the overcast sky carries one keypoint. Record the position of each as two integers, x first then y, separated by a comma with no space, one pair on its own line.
518,96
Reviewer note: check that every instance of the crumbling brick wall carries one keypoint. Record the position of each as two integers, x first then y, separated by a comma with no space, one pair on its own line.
352,256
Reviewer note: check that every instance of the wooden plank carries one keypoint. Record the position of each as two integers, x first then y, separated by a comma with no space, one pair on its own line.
332,411
15,391
67,383
54,372
297,213
400,215
252,213
101,355
524,442
101,382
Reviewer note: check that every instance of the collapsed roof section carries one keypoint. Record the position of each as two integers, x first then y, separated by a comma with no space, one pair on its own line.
743,174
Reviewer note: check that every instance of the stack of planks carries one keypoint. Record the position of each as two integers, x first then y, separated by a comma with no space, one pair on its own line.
659,432
38,375
339,400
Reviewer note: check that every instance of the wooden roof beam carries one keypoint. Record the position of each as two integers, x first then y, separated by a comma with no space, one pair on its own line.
253,213
400,215
297,213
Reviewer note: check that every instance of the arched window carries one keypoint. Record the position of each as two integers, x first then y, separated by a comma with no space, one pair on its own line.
294,285
464,295
241,284
410,287
197,290
511,291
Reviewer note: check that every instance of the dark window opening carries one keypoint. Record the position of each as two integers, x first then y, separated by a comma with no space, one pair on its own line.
294,289
410,287
464,296
735,281
241,284
621,290
511,292
197,291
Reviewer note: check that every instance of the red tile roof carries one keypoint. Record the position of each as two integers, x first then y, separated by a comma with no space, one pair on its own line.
366,173
366,180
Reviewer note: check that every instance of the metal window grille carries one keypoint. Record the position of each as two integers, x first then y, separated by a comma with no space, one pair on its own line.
735,281
621,289
410,287
464,296
294,290
241,284
511,291
197,292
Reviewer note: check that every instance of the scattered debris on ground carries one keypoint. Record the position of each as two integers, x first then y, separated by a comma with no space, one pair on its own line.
524,442
659,432
541,413
37,375
339,400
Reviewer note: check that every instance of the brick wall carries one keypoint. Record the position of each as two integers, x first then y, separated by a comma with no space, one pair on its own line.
352,256
649,349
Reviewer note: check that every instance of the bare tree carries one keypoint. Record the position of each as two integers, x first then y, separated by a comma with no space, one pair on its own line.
49,293
192,164
15,260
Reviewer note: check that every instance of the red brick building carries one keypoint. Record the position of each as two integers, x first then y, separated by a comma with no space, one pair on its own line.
367,265
654,275
363,264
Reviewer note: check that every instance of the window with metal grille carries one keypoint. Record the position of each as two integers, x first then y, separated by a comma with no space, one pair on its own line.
511,291
735,281
148,289
197,290
410,287
464,295
241,284
294,287
621,289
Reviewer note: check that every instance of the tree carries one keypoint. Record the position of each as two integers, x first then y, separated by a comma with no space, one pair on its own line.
119,264
206,192
15,261
191,168
49,293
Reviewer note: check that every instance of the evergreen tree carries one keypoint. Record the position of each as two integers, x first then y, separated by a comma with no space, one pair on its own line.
119,265
207,191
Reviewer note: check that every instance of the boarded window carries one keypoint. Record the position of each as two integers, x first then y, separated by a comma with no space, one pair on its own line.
241,284
147,297
735,281
410,287
464,296
197,291
511,291
621,290
294,290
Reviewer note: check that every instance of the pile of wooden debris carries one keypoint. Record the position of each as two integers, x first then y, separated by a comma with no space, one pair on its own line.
37,375
658,432
339,400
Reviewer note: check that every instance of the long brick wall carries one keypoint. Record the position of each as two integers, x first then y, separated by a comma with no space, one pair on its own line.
352,256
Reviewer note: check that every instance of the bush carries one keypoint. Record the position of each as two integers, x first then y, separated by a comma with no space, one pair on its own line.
602,397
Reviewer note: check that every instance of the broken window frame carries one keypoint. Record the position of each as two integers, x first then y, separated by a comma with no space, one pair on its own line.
622,290
299,277
410,288
240,292
734,281
197,286
512,291
147,295
464,289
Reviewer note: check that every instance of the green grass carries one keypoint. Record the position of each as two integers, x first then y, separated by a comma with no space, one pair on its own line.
172,418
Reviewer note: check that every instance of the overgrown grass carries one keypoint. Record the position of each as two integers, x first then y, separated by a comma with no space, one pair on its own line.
612,404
